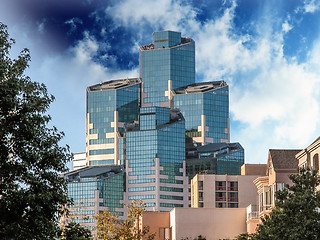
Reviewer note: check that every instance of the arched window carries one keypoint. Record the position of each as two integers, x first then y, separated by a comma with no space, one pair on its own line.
316,162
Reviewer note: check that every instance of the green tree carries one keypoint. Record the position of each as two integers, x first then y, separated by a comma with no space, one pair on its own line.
74,231
297,211
32,192
110,226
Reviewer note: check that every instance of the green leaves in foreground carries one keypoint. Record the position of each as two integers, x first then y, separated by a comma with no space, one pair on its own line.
32,192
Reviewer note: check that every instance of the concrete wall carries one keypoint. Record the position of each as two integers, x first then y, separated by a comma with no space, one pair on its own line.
79,160
212,223
252,225
306,156
254,169
247,191
155,221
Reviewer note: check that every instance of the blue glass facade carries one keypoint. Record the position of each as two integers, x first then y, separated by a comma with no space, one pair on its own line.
154,153
103,100
229,161
94,189
148,124
170,57
205,107
216,158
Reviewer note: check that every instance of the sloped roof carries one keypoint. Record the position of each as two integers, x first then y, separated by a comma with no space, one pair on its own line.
315,141
283,158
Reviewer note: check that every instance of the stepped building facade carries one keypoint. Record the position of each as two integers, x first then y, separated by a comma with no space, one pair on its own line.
140,130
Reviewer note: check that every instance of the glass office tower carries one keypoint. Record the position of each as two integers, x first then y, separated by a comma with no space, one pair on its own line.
215,158
149,124
94,189
110,105
165,64
205,107
155,157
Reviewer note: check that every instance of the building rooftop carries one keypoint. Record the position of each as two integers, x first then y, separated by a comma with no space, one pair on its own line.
283,158
318,139
254,169
213,147
150,46
93,171
114,84
200,87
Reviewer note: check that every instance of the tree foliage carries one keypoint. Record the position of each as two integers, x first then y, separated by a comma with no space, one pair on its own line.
297,211
111,227
74,231
31,160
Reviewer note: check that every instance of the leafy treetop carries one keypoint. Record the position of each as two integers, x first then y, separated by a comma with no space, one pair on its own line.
32,192
110,226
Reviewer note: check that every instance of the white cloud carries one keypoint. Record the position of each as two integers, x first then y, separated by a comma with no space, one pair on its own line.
286,27
165,14
274,101
67,75
311,6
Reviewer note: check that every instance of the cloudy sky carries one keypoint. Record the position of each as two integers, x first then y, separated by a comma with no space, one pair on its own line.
268,51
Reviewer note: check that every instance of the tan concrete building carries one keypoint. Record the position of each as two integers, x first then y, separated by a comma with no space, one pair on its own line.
309,157
189,223
281,164
158,223
223,191
254,169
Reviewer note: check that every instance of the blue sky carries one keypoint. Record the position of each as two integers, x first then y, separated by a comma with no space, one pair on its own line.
268,51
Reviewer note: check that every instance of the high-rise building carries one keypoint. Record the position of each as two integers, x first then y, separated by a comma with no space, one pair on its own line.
215,158
155,160
166,64
205,107
94,189
148,125
109,105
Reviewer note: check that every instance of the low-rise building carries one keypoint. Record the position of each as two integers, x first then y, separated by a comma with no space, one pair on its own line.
254,169
309,157
223,191
281,164
189,223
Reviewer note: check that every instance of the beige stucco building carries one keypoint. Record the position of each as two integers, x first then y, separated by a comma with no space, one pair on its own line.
223,206
189,223
309,157
223,191
281,164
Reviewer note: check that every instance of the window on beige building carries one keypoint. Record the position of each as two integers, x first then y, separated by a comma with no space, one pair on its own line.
220,205
220,196
232,186
220,185
316,162
232,197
